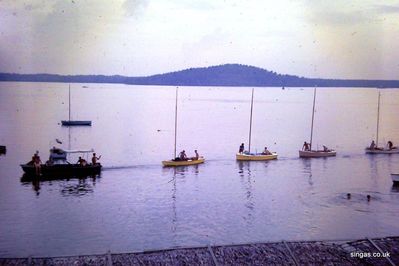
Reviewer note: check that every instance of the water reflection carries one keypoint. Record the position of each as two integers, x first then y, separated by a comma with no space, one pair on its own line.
244,171
244,168
174,211
69,187
181,171
82,188
307,169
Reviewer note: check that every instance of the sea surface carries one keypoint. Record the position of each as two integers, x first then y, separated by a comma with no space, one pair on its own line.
136,204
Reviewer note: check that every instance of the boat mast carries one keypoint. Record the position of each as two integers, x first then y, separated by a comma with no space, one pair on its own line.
69,103
311,130
250,121
378,116
177,88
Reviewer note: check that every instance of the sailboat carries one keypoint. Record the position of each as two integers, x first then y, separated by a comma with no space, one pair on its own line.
373,148
315,153
247,155
70,122
175,161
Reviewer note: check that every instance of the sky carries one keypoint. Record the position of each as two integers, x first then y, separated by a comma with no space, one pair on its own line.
356,39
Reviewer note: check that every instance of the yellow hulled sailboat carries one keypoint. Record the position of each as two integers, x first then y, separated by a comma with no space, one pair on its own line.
176,161
247,155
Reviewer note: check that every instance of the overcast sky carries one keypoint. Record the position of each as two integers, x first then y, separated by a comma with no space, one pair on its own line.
330,39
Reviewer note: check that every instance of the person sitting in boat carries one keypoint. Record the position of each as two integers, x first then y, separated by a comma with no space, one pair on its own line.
306,146
81,161
37,163
196,157
50,161
266,152
326,149
373,146
241,149
390,145
183,156
94,159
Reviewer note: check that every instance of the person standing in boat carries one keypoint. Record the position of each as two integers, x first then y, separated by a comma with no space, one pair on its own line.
94,159
241,149
183,156
390,145
373,146
306,146
37,163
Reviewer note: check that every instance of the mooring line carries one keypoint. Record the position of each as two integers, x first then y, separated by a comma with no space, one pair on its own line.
213,255
291,253
381,252
109,258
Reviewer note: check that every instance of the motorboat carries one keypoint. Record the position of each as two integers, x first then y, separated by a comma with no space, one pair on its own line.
58,165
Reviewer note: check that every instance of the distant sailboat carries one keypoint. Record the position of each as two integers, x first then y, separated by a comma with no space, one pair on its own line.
247,155
70,122
373,148
175,162
315,153
3,149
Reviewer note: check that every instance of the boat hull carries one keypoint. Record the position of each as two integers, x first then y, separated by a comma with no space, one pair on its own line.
255,157
183,163
382,151
316,154
63,170
75,123
395,178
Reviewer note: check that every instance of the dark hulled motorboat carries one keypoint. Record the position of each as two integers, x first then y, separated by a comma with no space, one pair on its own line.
58,166
63,169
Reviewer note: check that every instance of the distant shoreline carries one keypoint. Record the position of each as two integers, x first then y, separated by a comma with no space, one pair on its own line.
229,75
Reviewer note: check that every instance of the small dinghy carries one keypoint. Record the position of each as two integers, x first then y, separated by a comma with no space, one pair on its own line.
186,161
3,149
381,151
308,152
373,148
316,154
255,156
247,155
183,163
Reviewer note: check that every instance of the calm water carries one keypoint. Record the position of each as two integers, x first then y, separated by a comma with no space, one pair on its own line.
136,204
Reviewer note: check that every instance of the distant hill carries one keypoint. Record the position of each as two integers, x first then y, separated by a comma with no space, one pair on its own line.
223,75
